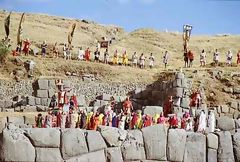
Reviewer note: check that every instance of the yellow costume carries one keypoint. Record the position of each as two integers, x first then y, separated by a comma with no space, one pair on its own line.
139,121
115,58
155,118
101,119
125,59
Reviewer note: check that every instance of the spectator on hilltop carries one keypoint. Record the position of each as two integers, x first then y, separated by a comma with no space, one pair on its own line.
142,61
203,58
151,61
216,57
165,59
80,54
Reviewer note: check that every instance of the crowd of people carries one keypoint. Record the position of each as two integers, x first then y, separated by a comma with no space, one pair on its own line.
65,113
124,58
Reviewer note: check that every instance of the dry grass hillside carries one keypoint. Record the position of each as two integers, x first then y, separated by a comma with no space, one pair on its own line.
39,27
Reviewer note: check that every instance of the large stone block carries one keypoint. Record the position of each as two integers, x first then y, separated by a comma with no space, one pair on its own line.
185,103
225,108
236,89
42,84
3,121
155,141
212,141
48,154
195,150
133,146
225,149
184,83
73,143
44,137
176,144
15,146
236,145
95,141
152,110
51,84
44,102
38,101
31,101
177,83
177,92
114,137
51,92
113,154
98,156
180,75
211,155
234,105
225,123
81,100
42,93
16,120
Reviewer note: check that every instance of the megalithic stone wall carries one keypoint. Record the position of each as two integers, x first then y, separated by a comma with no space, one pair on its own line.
151,144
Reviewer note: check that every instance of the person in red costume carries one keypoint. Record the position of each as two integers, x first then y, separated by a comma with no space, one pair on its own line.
167,108
26,46
147,121
173,121
127,106
87,54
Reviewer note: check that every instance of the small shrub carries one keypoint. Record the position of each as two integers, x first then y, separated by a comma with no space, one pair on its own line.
3,52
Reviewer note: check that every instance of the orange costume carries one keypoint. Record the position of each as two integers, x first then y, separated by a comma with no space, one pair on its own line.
95,122
87,54
127,106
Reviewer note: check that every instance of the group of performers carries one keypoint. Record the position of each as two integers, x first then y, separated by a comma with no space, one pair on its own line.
64,113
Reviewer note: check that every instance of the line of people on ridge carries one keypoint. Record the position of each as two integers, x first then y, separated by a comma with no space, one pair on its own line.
189,58
126,118
124,59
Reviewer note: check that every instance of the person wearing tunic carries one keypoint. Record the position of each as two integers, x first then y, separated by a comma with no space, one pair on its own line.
134,60
147,121
121,124
151,61
173,121
139,121
26,47
185,120
191,58
203,58
229,58
89,117
80,54
186,60
127,108
211,121
165,59
87,54
155,118
95,121
124,58
161,119
133,124
115,58
44,48
238,57
39,121
202,122
97,55
167,108
55,50
114,120
106,57
142,61
48,120
83,120
216,57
